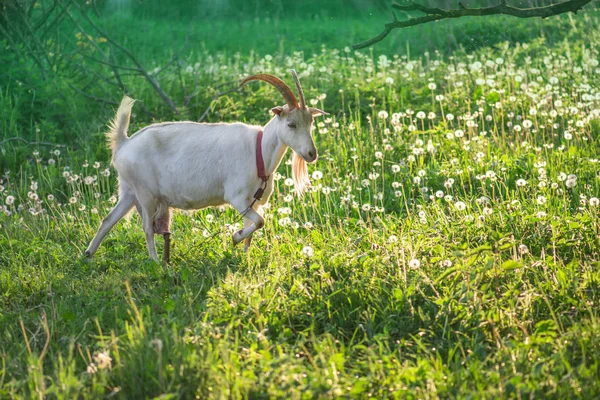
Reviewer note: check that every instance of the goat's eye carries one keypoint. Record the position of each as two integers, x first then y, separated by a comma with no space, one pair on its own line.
292,125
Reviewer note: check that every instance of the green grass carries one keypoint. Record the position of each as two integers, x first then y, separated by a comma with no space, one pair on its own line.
157,39
418,266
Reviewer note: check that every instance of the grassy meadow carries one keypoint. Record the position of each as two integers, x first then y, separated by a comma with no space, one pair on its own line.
449,246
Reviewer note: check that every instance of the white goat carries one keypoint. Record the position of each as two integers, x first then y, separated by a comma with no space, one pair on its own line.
188,165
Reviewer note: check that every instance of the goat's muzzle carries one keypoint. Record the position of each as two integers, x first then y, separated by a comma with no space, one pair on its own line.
310,156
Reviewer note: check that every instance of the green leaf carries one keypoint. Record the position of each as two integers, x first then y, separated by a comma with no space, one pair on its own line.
397,294
477,93
493,97
574,225
185,273
511,264
472,260
506,246
545,326
68,316
316,237
480,249
169,305
447,273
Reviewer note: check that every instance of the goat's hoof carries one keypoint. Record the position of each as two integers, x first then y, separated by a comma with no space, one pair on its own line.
87,254
237,237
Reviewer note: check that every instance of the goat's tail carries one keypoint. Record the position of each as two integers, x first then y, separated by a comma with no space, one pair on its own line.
117,133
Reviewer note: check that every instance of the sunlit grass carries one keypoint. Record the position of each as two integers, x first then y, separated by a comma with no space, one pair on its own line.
448,246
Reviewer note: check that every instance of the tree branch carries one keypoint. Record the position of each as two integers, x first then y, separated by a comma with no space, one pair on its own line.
189,98
436,14
151,80
174,58
111,102
92,97
108,64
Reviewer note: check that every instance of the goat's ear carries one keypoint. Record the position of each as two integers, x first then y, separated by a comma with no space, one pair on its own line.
277,110
316,112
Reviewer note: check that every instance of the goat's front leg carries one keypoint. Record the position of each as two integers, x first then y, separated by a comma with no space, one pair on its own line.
248,222
248,240
251,216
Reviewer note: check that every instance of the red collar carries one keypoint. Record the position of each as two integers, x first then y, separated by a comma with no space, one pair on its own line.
260,163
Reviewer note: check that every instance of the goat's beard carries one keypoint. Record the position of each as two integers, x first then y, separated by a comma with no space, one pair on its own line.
299,174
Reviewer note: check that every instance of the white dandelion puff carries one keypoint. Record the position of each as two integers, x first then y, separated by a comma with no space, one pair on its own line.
308,251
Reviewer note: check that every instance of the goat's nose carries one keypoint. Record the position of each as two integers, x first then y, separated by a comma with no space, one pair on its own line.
311,154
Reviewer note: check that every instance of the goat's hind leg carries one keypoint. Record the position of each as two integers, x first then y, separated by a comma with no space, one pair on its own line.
167,247
162,226
125,204
148,208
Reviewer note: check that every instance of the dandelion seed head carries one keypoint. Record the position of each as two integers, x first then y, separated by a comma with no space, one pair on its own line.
460,206
92,369
308,251
103,360
523,249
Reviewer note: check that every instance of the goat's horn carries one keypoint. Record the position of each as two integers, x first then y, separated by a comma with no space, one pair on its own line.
299,87
280,85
